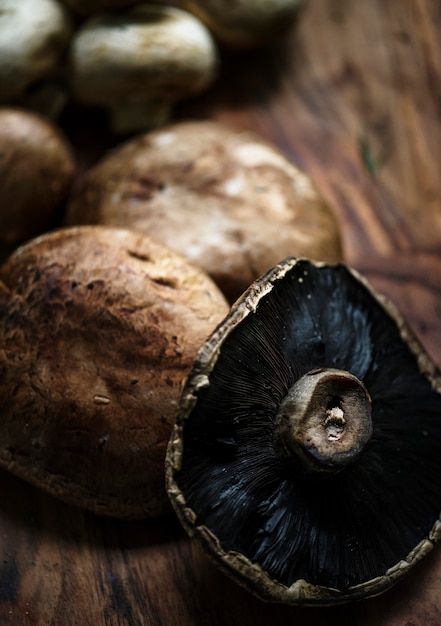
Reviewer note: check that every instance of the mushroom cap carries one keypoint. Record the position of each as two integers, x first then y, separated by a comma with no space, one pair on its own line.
98,329
33,36
229,201
37,166
286,535
146,52
246,23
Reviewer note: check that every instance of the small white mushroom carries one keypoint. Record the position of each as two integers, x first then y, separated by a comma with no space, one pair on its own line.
34,34
139,62
246,23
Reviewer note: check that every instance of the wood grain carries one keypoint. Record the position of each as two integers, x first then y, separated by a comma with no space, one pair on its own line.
60,566
352,94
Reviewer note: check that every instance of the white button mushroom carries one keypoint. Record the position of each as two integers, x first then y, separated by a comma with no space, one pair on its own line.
33,37
246,23
138,62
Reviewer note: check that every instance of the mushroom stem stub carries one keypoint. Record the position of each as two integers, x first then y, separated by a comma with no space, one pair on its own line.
324,421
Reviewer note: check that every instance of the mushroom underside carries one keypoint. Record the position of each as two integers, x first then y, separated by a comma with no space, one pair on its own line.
345,532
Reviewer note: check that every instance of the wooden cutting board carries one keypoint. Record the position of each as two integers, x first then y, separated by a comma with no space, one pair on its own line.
352,94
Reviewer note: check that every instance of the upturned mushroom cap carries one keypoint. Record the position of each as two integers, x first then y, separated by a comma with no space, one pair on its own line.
98,328
34,35
138,63
37,166
246,23
306,455
228,200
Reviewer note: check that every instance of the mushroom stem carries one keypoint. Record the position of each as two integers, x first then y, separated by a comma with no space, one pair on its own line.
324,421
130,116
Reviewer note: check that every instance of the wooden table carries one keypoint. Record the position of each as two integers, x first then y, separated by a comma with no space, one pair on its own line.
352,94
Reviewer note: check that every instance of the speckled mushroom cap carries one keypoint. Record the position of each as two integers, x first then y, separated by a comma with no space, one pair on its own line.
98,329
228,200
254,469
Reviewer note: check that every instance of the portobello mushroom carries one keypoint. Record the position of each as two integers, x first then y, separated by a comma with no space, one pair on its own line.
306,454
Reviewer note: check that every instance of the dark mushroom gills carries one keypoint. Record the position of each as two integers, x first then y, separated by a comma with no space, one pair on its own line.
305,457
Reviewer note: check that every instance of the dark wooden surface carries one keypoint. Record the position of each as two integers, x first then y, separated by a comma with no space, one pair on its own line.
352,95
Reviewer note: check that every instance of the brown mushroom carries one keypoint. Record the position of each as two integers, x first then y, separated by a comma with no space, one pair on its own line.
98,329
228,200
37,167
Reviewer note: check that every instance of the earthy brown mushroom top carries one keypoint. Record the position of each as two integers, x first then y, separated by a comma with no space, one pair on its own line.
228,200
37,167
98,328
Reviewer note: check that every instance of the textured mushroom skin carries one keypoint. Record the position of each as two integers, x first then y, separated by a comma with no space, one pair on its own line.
227,200
98,328
37,167
284,536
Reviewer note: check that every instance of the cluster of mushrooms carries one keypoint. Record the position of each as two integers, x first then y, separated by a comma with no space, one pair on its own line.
133,58
185,336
